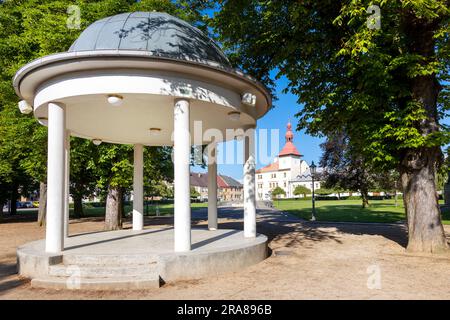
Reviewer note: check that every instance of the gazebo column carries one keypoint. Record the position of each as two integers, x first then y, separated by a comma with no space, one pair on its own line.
138,187
249,187
212,187
66,182
55,179
182,199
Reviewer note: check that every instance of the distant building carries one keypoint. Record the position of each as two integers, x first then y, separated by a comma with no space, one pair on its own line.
199,181
228,189
305,179
287,171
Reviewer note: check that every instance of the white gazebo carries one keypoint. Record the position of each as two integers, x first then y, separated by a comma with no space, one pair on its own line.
146,79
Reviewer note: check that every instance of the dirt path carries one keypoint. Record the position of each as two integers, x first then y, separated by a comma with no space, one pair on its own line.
308,261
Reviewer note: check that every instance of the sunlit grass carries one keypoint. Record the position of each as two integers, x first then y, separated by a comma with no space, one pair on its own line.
350,210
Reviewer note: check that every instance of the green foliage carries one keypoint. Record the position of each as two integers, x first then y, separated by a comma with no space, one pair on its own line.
349,78
278,191
301,190
324,191
30,29
443,172
194,193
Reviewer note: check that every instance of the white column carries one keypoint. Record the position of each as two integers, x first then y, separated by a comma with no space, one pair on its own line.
182,199
249,185
138,187
212,187
55,179
66,182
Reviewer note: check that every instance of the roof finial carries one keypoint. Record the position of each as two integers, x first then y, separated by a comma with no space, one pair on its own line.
289,135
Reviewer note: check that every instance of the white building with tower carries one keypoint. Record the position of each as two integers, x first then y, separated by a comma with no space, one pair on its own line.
287,171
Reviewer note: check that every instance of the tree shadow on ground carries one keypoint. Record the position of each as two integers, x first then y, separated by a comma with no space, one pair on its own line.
21,216
275,226
293,233
394,232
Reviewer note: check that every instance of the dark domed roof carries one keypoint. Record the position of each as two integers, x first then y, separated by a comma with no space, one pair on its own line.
157,33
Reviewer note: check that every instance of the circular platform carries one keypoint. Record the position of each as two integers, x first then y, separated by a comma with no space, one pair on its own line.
128,259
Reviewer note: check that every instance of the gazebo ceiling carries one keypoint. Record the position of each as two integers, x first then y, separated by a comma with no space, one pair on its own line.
149,60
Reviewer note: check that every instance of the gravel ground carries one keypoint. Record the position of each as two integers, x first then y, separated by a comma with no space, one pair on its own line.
307,261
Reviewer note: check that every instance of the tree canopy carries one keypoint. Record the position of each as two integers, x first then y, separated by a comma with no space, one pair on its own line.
301,190
31,29
381,79
278,191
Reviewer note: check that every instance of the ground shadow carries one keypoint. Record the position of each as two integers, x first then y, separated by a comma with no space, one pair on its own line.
213,239
275,224
141,233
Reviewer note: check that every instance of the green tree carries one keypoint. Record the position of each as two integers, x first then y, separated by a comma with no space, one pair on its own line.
277,192
324,191
115,171
83,175
443,172
158,171
386,87
194,193
301,190
345,167
31,29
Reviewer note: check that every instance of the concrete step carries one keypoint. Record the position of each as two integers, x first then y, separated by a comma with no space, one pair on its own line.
94,271
130,283
108,260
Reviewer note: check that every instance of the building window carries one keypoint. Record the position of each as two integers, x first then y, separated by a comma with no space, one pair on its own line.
285,174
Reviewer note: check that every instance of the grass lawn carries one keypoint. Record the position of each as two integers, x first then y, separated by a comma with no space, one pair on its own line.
150,210
349,210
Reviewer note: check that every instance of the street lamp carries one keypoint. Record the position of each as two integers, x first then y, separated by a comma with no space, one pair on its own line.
312,168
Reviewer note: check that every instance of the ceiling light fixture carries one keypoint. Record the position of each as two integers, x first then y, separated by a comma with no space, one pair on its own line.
97,142
155,131
115,100
234,115
25,107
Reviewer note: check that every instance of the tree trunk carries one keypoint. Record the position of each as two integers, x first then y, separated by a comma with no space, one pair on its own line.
365,199
13,200
122,203
77,206
113,216
42,203
425,230
418,166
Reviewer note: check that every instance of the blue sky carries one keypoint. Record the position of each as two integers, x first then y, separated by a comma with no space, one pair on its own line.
277,118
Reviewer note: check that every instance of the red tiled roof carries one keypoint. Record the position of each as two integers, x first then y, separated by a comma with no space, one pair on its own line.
270,167
221,183
289,149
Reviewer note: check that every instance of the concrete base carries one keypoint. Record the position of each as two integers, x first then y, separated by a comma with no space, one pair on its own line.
128,259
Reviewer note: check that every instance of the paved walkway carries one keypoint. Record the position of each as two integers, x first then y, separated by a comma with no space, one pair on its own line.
265,215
